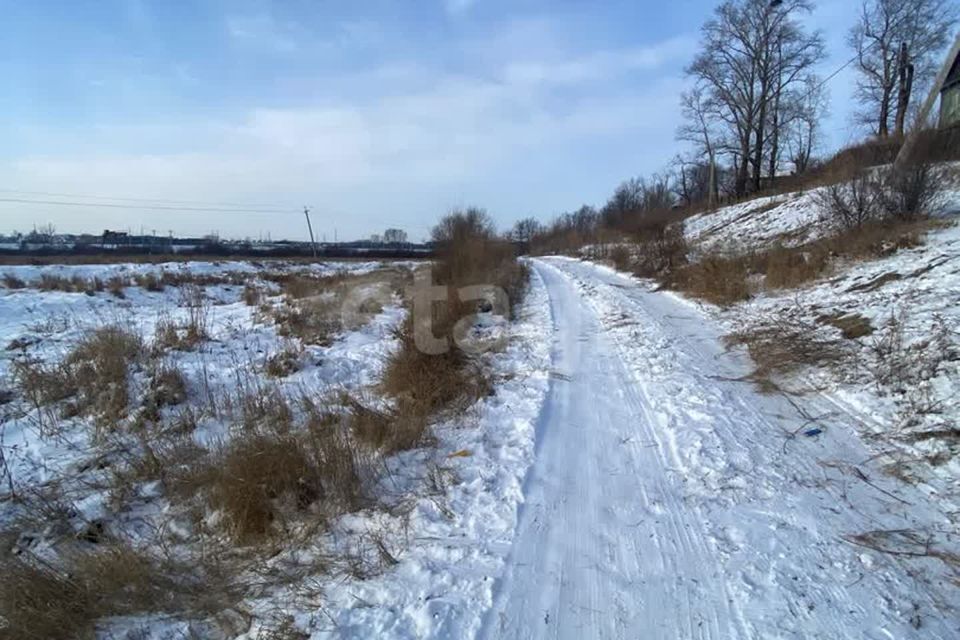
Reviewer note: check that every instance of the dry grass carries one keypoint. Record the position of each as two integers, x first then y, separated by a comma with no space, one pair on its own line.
285,362
99,364
150,281
265,479
193,331
116,286
788,268
50,282
11,281
314,320
424,385
168,388
39,601
725,279
94,374
721,280
779,348
251,294
851,325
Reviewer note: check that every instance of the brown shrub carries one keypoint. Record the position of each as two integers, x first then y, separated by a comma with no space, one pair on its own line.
718,279
850,205
39,601
908,193
621,258
787,268
95,371
284,362
50,282
877,239
261,478
116,286
165,336
151,281
43,384
11,281
312,320
99,365
194,298
251,294
263,406
168,387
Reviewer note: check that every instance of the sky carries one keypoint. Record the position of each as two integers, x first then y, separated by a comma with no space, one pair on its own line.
376,114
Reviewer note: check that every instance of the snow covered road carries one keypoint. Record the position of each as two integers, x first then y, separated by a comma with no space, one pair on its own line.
667,498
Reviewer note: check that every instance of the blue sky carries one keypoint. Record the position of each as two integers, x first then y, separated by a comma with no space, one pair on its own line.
381,113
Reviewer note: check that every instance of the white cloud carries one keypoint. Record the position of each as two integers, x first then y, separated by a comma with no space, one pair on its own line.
424,138
458,7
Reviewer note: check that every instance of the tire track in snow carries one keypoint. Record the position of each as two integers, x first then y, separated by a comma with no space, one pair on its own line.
774,519
605,545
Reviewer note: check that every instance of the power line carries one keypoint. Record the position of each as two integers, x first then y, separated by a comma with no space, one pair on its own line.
144,206
252,207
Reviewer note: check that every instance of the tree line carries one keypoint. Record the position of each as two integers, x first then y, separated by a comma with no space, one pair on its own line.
755,104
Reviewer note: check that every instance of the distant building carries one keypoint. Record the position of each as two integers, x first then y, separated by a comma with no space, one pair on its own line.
394,236
950,97
115,237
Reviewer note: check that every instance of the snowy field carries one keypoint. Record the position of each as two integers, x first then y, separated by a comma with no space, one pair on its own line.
630,473
414,563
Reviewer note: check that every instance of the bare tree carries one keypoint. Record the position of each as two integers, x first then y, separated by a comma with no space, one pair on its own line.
888,35
460,225
752,53
803,111
691,180
525,230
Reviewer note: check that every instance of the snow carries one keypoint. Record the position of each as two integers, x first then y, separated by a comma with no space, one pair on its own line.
624,479
33,273
789,219
448,539
669,500
457,540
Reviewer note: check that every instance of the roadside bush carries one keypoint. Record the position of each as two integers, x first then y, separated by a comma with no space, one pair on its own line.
621,258
422,384
780,346
907,194
786,268
661,248
722,280
850,205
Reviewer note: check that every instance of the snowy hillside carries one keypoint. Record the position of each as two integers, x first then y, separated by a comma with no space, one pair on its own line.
789,219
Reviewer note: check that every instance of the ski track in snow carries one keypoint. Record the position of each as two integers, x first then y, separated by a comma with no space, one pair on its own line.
666,500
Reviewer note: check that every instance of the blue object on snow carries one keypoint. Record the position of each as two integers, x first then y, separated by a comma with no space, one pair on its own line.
812,432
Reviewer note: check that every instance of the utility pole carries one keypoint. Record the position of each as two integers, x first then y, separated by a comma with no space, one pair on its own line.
911,141
306,213
905,88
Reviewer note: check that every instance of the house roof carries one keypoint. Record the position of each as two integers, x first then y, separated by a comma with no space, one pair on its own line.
953,78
